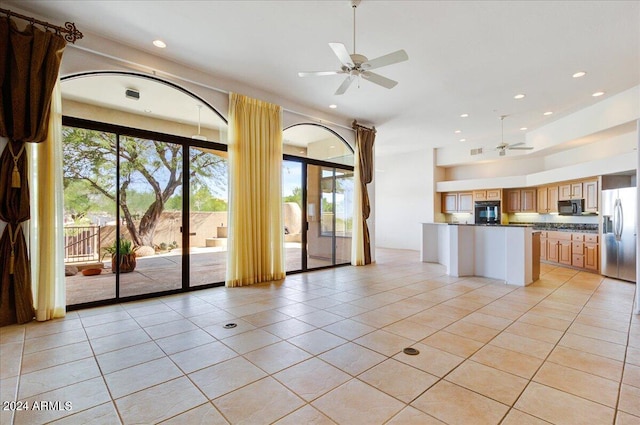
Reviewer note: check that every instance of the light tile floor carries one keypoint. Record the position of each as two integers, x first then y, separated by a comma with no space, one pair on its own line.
326,347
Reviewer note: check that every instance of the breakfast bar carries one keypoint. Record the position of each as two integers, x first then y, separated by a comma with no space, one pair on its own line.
510,253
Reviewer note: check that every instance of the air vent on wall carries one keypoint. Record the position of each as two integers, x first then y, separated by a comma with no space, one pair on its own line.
132,94
476,151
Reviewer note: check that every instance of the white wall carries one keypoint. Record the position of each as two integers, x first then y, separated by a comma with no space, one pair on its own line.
404,198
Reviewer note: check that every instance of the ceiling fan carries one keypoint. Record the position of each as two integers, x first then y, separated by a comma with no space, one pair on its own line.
503,146
356,65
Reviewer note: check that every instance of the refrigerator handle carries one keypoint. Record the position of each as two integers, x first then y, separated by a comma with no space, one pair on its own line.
618,224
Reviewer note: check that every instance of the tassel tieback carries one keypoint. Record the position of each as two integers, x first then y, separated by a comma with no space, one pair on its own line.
15,174
12,240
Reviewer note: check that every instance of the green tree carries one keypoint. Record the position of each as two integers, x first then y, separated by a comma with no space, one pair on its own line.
296,196
150,173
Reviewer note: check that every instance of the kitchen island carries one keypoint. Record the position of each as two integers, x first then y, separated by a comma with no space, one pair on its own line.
510,253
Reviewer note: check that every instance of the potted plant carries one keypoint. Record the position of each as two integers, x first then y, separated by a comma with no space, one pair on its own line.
127,253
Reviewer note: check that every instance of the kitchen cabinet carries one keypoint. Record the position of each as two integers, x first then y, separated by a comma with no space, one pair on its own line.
591,253
450,202
487,195
579,250
559,247
547,199
457,202
590,192
564,252
543,245
552,250
521,200
570,191
465,202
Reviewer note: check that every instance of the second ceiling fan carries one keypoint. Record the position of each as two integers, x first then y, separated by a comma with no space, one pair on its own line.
503,146
356,65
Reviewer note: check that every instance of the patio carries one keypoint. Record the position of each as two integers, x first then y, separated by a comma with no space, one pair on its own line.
163,272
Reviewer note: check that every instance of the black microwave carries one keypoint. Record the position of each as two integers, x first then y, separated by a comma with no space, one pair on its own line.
571,207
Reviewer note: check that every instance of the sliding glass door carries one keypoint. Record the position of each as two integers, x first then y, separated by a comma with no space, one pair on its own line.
150,183
329,208
208,226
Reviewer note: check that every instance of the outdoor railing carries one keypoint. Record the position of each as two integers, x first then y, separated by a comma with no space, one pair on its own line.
81,244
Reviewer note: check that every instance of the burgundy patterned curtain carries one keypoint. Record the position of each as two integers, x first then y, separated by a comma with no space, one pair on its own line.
29,65
364,143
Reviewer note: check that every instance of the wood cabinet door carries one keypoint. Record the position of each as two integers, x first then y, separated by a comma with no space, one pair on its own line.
591,256
576,190
528,200
564,192
552,250
552,199
564,252
590,196
543,248
450,201
543,195
465,202
494,195
513,201
479,195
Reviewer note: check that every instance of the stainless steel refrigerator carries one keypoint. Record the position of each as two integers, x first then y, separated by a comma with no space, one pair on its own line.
618,243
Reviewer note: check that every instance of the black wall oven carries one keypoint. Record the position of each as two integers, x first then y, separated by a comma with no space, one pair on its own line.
487,212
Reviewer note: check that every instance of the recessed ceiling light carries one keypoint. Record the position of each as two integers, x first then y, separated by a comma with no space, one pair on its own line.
579,74
458,131
519,96
159,43
331,147
523,128
333,106
463,140
301,151
597,94
548,113
148,111
464,115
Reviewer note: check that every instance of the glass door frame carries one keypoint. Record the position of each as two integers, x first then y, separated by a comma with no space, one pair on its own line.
185,143
305,227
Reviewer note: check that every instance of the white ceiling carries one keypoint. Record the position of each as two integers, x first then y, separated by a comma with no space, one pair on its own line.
464,56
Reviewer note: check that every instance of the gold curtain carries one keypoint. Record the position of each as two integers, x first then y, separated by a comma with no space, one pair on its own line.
361,243
46,224
256,230
29,64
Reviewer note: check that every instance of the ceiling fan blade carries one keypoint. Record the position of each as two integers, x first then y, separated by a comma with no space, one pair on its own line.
345,85
318,73
391,58
379,79
515,144
520,148
342,53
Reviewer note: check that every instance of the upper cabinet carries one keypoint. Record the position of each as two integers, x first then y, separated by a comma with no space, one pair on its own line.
570,191
547,199
487,195
587,190
590,191
521,200
457,202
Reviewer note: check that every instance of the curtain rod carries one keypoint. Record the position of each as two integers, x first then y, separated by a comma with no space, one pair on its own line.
355,126
71,33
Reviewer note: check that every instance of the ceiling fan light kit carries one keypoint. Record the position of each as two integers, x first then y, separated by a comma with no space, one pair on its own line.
356,65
